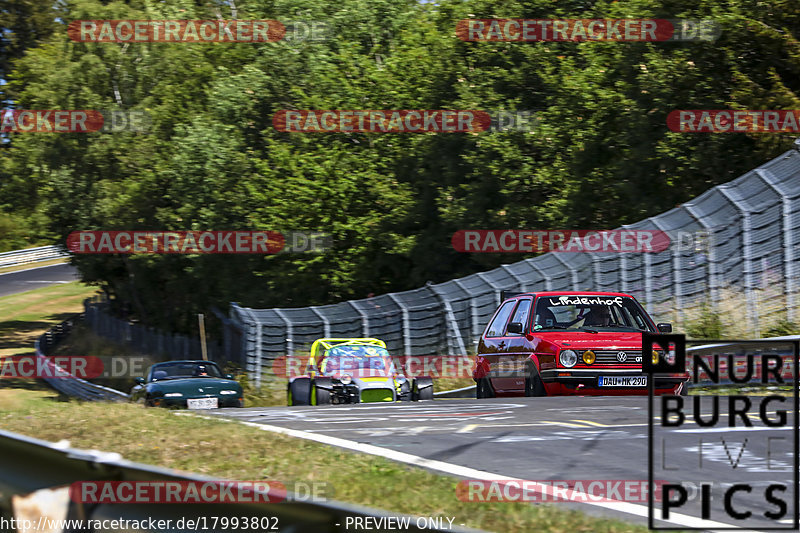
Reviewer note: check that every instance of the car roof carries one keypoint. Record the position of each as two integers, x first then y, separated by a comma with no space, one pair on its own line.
200,361
570,293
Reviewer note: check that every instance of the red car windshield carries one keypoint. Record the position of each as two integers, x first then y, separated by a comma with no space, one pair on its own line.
589,313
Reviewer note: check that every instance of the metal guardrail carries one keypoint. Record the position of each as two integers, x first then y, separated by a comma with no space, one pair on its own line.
31,255
68,384
29,465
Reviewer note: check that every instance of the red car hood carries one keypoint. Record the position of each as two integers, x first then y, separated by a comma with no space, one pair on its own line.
581,340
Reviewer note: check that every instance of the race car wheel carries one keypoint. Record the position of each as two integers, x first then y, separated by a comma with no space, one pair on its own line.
320,395
483,389
405,392
422,389
534,385
299,392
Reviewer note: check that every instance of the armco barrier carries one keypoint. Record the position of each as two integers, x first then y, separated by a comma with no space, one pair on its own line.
31,255
29,465
71,386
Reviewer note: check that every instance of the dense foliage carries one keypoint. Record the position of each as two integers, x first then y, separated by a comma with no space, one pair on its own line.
600,156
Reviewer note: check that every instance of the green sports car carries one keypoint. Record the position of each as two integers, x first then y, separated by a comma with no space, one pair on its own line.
190,384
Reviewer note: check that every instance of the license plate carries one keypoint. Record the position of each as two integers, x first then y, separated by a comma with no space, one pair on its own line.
202,403
622,381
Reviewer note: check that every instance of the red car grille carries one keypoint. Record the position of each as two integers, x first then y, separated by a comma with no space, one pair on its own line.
609,357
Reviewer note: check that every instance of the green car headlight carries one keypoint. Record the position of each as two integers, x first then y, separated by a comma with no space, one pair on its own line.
173,395
228,392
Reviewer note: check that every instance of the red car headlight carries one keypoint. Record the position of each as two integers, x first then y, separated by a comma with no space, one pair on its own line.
568,358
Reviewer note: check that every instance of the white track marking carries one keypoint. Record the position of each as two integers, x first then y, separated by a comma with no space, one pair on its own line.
465,472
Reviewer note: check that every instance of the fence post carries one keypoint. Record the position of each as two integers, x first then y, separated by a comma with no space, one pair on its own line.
450,317
364,318
747,255
548,281
289,332
788,241
677,306
648,280
713,279
473,312
406,325
326,324
573,272
259,338
523,287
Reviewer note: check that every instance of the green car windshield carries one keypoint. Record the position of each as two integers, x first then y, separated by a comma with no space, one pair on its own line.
184,370
354,359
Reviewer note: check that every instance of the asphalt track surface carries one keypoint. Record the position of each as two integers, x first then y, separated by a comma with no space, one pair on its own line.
573,438
35,278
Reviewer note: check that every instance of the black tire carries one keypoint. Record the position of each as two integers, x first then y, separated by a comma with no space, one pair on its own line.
299,392
405,392
422,389
483,389
534,385
321,392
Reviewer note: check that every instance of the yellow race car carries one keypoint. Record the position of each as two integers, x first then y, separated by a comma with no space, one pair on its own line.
356,370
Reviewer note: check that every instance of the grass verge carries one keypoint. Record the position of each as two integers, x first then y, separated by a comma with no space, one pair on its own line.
233,451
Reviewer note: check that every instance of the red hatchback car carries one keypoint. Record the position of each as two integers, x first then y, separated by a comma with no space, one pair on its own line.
554,343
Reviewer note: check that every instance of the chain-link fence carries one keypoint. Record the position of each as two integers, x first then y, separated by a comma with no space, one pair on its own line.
732,254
